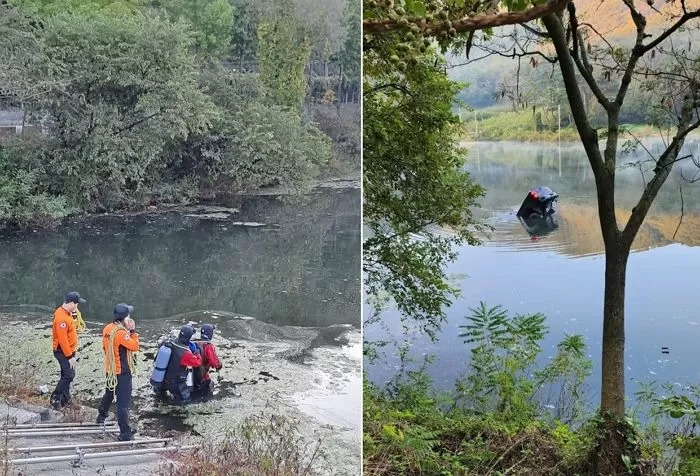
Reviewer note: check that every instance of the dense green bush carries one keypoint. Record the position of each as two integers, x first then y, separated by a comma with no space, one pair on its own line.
24,199
252,142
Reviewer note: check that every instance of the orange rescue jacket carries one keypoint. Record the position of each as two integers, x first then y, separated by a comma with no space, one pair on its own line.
65,335
123,341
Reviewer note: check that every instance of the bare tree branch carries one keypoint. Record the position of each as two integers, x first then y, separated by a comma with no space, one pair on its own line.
680,221
491,52
640,23
584,67
687,16
663,168
535,31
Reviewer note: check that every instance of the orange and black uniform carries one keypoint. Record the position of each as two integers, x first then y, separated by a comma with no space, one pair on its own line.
123,341
65,344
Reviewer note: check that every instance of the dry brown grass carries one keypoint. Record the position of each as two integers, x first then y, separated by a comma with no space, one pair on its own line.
531,452
264,444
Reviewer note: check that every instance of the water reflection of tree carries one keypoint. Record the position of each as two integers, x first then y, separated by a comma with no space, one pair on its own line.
167,265
576,234
509,169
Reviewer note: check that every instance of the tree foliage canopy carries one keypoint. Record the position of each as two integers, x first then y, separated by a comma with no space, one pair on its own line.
135,102
418,198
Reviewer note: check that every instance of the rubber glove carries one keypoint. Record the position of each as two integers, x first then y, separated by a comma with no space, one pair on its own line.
72,362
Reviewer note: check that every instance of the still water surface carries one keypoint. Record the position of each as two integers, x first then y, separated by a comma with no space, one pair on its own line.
284,263
558,269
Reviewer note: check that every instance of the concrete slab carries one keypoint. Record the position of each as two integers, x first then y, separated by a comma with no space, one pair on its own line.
18,416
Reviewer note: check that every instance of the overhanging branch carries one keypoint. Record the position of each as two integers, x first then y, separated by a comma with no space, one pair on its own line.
477,22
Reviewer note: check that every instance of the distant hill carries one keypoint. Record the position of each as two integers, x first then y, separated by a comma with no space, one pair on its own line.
612,17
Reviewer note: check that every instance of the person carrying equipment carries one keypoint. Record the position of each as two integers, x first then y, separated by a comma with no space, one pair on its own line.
65,344
202,380
184,356
120,342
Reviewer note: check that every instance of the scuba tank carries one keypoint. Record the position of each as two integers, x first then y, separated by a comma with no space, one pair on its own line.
198,372
160,366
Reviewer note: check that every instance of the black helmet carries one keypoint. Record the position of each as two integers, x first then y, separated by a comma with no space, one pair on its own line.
185,334
207,331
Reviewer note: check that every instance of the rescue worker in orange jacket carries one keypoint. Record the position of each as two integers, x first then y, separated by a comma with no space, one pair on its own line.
65,345
202,380
119,343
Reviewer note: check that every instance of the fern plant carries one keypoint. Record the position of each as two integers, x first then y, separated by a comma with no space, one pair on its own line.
505,348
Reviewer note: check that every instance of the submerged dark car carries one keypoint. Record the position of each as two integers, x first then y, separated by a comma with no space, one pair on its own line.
539,226
539,202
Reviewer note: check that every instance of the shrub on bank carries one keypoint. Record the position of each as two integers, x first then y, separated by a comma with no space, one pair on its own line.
264,444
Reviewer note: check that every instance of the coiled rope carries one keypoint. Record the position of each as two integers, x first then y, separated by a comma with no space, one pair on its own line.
79,322
110,359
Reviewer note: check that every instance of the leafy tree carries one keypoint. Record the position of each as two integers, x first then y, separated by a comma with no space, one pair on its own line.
23,198
252,142
284,49
212,22
349,55
413,179
52,7
136,106
130,86
244,40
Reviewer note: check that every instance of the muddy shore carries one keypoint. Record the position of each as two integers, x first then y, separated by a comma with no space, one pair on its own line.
309,375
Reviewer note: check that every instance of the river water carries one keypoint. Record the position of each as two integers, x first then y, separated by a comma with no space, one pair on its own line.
558,269
284,263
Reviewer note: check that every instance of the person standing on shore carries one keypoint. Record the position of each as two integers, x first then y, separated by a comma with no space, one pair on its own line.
65,344
120,342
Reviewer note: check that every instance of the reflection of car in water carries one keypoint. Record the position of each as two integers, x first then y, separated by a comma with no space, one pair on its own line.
536,214
538,226
538,202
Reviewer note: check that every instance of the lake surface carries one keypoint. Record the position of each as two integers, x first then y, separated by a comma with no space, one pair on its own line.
558,270
281,261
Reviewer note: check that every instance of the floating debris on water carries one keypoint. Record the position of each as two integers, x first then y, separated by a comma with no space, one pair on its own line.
247,223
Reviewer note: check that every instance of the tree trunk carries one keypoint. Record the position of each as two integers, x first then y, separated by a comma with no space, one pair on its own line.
612,396
339,96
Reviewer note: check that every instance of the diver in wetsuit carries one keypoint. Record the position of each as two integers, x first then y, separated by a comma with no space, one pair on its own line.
203,384
185,358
